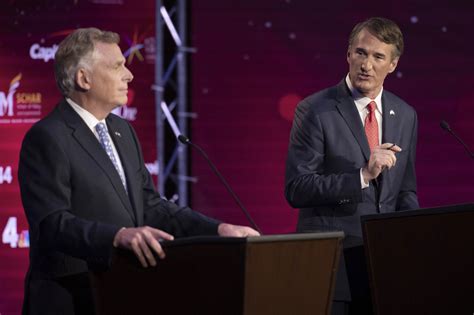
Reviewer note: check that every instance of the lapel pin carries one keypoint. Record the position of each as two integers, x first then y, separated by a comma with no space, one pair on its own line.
392,113
117,134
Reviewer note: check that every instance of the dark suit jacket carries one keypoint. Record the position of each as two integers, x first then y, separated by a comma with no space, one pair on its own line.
328,147
75,204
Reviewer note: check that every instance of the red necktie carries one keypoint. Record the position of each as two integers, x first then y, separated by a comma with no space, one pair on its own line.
371,126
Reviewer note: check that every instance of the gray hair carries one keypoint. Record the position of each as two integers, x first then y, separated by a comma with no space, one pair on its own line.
75,52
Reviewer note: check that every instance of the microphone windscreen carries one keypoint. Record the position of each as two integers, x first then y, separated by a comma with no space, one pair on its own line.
183,139
443,124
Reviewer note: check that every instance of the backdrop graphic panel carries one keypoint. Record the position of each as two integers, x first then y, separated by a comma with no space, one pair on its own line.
256,59
29,34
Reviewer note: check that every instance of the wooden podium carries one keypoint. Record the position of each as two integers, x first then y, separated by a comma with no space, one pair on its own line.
421,261
280,274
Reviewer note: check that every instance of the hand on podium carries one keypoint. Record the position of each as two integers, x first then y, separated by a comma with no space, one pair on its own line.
231,230
142,241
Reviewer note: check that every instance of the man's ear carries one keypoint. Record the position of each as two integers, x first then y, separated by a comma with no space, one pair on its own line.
393,65
83,79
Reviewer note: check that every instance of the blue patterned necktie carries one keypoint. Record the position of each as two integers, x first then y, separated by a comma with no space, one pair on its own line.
105,142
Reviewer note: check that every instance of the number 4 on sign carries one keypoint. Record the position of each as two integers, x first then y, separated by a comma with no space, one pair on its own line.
10,235
6,174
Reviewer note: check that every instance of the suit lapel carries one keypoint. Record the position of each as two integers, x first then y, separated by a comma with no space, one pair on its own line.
91,145
348,110
391,115
350,114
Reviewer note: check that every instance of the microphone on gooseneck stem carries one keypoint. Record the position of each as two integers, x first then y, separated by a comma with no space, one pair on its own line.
185,140
445,126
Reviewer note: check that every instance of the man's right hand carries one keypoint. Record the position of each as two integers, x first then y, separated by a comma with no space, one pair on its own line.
142,241
381,157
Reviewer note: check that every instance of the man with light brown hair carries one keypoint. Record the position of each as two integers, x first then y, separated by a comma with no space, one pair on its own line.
352,153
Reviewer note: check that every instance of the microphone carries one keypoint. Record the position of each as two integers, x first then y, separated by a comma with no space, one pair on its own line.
185,140
445,126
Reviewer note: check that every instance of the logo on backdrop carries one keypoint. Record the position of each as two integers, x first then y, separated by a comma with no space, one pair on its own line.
19,107
10,235
6,176
45,51
153,167
6,99
127,112
137,42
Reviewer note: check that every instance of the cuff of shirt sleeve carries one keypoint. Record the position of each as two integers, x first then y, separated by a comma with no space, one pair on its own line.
115,243
363,185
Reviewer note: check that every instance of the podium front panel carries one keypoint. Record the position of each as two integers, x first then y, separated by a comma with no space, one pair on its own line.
422,261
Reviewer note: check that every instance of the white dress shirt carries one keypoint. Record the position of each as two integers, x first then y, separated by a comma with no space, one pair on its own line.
361,103
91,121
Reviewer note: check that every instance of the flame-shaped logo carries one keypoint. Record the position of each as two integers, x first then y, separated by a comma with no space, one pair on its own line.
15,83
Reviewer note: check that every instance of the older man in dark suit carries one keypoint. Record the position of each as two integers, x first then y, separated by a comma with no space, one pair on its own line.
352,152
84,185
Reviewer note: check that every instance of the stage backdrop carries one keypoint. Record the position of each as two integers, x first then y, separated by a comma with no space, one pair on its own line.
256,59
30,32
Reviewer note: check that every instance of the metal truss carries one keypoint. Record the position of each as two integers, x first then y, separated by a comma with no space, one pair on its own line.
171,99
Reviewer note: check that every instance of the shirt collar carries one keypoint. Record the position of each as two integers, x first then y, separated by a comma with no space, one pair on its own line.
90,120
362,101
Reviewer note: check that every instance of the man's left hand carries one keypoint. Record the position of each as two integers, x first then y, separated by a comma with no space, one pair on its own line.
231,230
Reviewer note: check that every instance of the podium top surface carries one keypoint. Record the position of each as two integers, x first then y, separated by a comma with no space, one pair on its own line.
468,207
295,237
254,239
